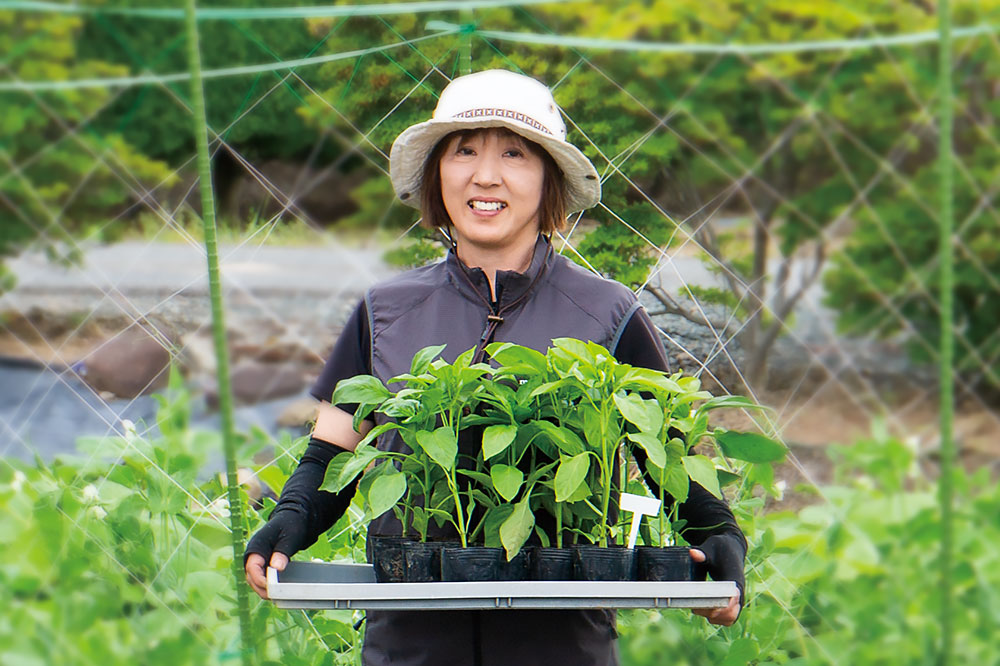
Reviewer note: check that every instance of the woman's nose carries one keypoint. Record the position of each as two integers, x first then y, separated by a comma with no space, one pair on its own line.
487,171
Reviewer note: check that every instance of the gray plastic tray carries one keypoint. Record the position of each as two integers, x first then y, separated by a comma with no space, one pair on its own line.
315,585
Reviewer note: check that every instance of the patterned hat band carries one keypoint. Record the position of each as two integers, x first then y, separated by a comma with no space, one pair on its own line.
504,113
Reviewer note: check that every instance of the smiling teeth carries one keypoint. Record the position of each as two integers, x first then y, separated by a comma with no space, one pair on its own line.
487,205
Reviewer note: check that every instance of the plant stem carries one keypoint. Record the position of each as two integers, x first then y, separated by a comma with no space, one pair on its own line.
218,331
662,514
559,510
607,467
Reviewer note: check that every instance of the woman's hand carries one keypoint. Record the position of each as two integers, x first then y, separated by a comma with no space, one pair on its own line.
281,537
256,574
723,616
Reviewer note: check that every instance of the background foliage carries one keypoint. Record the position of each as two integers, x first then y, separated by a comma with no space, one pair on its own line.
122,557
782,169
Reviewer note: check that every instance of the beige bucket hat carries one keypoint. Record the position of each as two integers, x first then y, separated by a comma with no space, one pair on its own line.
494,98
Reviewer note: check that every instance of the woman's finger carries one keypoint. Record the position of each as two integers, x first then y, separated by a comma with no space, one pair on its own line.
279,560
721,616
256,575
697,555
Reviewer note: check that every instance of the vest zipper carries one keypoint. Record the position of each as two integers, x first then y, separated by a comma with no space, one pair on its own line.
495,316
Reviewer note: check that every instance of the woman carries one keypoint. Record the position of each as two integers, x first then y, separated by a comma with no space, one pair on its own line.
493,168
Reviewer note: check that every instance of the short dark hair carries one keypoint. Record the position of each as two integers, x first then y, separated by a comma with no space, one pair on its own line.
551,208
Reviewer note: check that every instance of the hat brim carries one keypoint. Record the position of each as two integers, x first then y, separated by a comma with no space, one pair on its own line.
411,148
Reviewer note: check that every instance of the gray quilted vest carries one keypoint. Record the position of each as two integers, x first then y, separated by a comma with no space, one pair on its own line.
448,303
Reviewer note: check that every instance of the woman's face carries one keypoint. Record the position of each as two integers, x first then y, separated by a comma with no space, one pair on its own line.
491,185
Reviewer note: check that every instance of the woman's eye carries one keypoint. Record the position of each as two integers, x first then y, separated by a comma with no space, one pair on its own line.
515,152
465,150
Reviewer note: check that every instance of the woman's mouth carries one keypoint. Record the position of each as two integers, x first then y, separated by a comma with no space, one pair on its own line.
492,206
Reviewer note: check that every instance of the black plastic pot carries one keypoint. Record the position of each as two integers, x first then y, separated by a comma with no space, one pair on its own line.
596,563
422,561
474,563
552,564
518,568
661,564
387,558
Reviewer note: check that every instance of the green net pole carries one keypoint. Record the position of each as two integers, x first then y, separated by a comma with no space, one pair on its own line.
466,15
218,330
945,94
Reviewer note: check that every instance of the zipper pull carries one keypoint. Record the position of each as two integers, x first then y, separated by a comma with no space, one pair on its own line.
492,321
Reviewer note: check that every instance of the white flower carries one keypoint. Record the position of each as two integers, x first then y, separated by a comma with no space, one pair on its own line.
18,482
97,512
90,493
219,507
781,486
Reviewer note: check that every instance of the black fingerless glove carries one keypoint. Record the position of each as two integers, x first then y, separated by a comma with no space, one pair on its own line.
303,511
723,560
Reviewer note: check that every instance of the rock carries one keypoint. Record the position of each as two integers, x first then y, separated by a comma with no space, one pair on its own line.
254,382
132,363
276,351
198,352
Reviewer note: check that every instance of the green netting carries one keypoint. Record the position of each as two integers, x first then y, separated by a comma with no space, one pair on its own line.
657,207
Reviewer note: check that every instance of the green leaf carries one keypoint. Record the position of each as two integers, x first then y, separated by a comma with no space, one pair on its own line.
495,517
497,438
517,528
676,482
385,491
363,389
482,499
575,348
547,387
726,478
464,359
581,493
741,651
702,471
507,480
566,440
731,401
762,474
401,408
749,446
482,479
440,445
571,473
508,354
652,446
646,416
644,379
422,359
343,469
362,412
375,432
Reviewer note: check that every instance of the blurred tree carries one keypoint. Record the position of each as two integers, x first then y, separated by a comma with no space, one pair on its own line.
885,280
254,113
761,161
156,118
59,174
